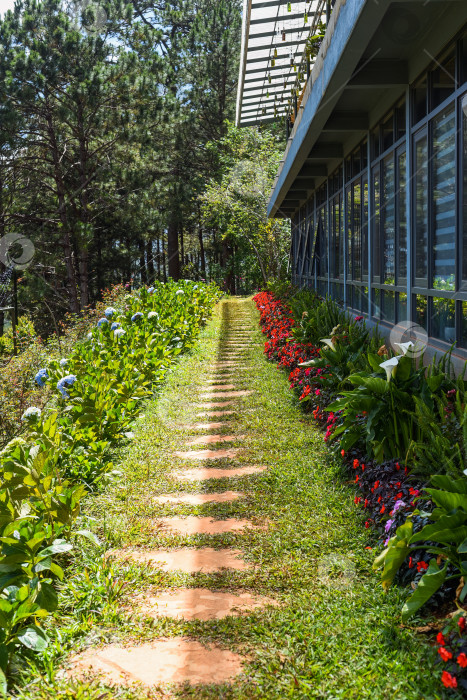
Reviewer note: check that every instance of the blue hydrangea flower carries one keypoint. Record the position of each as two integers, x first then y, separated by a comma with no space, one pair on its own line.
31,413
41,377
150,290
153,314
137,316
101,321
179,291
63,362
109,312
119,332
69,380
114,326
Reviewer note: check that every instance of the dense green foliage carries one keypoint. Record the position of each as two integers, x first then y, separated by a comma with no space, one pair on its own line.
65,449
235,203
105,113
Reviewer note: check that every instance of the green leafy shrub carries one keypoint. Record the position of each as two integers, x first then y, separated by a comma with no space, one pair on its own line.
95,394
315,318
445,538
386,398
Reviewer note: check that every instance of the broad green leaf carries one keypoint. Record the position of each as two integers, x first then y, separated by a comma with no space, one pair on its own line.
445,523
33,638
428,585
57,547
448,501
446,483
88,535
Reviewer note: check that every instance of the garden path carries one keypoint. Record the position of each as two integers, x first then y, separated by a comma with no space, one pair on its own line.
287,607
178,659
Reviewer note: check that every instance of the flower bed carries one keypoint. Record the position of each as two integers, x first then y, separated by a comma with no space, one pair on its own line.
387,419
92,398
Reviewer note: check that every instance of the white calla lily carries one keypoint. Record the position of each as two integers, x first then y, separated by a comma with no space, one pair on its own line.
405,347
335,329
390,366
328,342
310,363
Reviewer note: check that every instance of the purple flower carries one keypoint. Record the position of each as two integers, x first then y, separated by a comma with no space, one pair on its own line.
398,505
386,541
388,525
69,380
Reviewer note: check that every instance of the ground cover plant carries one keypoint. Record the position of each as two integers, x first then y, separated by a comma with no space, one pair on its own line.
66,447
399,428
335,633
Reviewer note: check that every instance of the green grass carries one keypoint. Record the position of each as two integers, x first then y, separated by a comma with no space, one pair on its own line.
335,634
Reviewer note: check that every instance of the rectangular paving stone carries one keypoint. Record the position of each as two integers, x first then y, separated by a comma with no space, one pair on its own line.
208,426
216,404
174,660
214,414
198,604
194,525
205,473
227,394
187,559
208,454
219,386
212,439
198,499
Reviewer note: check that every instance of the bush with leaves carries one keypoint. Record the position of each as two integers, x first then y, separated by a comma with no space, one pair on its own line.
97,393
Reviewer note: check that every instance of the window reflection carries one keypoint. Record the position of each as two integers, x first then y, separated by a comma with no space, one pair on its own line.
444,200
421,204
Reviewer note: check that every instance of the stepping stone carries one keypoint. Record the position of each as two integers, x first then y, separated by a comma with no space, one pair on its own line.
227,363
212,439
214,414
207,426
219,386
204,473
193,525
208,454
216,404
227,394
190,560
199,604
198,499
164,661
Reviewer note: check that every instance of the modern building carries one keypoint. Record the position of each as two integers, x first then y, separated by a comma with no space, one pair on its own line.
374,176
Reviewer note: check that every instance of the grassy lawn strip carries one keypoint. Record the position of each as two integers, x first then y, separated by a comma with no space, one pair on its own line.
336,635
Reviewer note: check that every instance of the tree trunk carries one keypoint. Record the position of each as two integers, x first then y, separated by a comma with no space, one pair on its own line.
142,261
173,251
150,260
62,211
201,250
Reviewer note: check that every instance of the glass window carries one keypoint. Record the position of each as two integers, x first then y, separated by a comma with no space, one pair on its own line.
349,234
444,200
464,325
375,226
401,307
388,220
421,211
389,308
400,120
420,311
357,231
443,79
443,319
375,143
365,231
464,118
337,238
419,97
377,303
402,218
388,132
364,292
356,162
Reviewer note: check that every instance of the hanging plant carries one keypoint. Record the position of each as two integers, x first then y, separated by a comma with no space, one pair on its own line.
289,7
